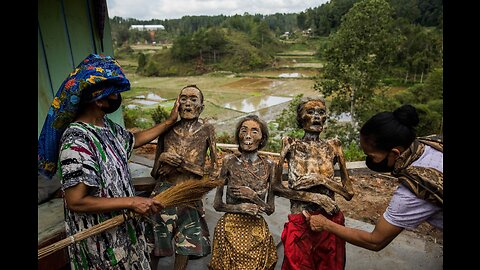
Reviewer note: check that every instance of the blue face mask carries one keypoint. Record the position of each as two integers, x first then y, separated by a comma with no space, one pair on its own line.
382,166
113,105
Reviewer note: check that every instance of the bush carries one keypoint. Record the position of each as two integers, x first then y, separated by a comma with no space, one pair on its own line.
135,118
128,118
142,61
343,131
160,114
224,137
123,52
353,152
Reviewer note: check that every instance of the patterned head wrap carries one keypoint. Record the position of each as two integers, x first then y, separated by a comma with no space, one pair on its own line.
96,77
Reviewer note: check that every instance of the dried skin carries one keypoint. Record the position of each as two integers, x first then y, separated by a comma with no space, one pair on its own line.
312,163
311,182
183,152
256,177
248,177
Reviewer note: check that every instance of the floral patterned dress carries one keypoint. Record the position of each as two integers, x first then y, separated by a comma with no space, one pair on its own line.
98,157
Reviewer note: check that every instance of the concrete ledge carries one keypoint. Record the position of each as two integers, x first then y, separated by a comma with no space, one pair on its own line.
50,219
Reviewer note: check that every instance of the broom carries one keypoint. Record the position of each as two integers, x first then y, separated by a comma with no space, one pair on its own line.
179,194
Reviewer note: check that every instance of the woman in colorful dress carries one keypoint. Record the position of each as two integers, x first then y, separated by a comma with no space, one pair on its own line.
91,153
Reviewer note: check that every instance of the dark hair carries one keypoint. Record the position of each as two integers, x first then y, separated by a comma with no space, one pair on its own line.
300,107
387,130
194,86
263,128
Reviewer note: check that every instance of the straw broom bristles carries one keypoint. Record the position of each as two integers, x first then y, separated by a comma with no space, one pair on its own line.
186,192
182,193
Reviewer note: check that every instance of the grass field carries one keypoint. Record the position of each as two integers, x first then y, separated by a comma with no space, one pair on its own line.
220,88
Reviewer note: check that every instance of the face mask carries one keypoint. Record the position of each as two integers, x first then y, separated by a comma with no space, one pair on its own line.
382,166
113,105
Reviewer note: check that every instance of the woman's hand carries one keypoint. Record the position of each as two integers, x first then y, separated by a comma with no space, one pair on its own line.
145,206
174,112
317,222
329,205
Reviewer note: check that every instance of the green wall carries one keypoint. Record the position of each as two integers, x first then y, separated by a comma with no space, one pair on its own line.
67,34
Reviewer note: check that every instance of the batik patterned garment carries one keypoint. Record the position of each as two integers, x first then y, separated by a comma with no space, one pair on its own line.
98,157
425,182
243,242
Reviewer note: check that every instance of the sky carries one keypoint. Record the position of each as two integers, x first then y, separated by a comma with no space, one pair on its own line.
175,9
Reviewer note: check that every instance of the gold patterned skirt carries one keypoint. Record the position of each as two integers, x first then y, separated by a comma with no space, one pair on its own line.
242,241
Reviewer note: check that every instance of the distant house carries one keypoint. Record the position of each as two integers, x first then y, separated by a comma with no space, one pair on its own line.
307,32
285,35
147,27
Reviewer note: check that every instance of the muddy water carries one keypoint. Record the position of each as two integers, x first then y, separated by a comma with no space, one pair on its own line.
268,114
227,100
252,104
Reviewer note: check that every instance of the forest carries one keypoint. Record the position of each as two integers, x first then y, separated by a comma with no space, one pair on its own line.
372,55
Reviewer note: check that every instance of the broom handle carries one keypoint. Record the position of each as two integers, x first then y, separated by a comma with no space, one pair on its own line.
107,224
100,227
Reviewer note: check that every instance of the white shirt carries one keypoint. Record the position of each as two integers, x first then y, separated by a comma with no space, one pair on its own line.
407,210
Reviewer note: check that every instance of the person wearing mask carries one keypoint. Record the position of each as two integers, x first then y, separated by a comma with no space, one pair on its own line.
389,141
311,186
91,153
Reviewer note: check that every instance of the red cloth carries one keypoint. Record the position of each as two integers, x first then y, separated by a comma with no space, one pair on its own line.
306,249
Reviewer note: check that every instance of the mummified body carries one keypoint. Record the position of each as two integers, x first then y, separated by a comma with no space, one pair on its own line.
242,239
312,187
181,155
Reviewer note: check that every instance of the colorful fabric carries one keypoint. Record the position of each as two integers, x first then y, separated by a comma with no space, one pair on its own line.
186,225
305,249
242,241
426,183
98,157
94,78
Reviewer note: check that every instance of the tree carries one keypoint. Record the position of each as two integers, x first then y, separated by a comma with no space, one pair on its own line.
183,48
427,98
261,35
302,21
142,61
216,42
407,9
160,114
358,54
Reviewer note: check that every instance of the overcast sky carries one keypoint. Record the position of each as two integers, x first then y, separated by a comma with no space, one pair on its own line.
174,9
